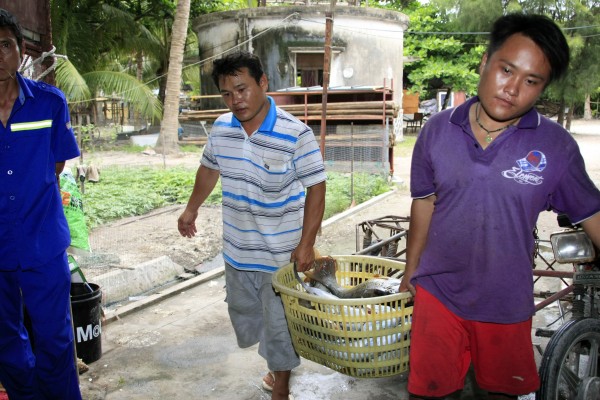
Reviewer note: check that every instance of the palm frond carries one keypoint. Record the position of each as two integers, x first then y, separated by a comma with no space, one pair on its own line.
70,81
129,88
131,33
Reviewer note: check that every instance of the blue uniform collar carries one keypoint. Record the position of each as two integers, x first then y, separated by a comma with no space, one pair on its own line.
24,90
268,123
460,116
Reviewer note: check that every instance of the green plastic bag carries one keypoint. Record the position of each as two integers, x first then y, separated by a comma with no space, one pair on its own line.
72,202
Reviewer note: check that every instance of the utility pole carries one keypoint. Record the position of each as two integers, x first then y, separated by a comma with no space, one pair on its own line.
46,44
326,69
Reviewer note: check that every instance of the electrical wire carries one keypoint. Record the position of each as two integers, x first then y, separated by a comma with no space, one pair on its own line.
293,18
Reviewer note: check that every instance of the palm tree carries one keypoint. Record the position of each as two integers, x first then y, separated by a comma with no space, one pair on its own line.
95,37
167,139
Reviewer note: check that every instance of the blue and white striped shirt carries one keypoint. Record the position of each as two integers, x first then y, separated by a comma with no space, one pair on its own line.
263,178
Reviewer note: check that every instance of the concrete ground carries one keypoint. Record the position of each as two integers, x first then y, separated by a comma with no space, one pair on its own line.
179,343
184,348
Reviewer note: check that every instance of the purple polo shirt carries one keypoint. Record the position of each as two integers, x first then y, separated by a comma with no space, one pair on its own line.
33,227
478,256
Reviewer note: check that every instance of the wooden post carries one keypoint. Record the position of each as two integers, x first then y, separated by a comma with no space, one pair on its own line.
326,69
46,45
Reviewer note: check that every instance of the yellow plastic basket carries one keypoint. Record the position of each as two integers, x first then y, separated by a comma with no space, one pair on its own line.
366,338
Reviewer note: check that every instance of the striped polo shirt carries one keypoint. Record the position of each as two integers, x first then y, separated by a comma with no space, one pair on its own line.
263,178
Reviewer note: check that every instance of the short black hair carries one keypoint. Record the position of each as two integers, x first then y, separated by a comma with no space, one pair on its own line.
544,33
7,20
233,63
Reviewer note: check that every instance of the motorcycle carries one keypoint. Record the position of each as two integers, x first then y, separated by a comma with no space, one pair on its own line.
570,367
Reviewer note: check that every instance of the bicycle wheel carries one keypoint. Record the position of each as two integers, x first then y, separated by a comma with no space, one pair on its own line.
570,368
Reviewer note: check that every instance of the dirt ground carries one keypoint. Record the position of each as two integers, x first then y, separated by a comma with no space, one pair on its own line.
135,240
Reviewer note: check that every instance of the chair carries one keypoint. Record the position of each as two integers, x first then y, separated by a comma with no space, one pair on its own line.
415,122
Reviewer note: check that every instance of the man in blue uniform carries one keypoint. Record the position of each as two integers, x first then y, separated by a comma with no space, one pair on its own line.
35,140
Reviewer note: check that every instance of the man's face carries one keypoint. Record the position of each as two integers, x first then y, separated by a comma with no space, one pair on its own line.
245,98
10,55
513,78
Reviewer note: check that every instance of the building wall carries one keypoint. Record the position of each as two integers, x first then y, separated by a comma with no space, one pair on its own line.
32,16
367,43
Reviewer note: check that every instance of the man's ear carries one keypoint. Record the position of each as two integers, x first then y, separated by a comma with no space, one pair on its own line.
264,82
483,62
22,48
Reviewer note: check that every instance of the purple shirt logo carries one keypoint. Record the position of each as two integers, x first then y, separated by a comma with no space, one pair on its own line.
535,161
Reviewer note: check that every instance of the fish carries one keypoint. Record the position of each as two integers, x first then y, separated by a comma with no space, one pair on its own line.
323,272
317,291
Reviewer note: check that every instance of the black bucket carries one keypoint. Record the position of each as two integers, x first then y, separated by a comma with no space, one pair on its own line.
86,308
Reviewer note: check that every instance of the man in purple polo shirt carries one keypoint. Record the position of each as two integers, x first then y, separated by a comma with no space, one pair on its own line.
481,174
35,140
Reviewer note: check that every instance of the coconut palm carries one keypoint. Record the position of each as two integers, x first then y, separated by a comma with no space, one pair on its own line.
96,38
168,131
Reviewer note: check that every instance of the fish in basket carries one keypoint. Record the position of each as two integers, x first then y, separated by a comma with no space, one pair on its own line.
360,336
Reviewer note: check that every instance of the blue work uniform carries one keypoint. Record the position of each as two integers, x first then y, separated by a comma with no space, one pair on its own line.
34,236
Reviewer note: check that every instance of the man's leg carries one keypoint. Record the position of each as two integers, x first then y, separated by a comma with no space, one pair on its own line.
46,292
244,307
503,358
277,346
439,349
281,388
17,362
257,316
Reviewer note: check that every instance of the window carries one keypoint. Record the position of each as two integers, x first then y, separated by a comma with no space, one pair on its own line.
309,69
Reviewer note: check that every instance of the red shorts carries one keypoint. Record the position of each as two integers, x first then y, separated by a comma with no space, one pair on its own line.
443,345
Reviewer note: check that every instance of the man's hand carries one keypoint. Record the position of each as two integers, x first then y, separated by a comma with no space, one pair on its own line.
405,285
304,256
186,223
421,211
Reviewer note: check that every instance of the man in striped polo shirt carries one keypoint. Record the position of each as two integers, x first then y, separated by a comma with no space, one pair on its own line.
35,140
273,183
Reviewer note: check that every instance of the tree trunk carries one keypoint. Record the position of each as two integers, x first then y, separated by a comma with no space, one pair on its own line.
139,65
587,107
561,113
569,117
167,139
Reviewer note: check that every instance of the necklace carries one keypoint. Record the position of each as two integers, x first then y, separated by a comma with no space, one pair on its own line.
488,136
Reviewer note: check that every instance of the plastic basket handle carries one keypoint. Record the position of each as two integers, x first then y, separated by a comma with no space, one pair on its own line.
304,285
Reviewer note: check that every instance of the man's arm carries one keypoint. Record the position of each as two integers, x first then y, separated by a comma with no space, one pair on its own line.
421,211
206,179
591,226
58,169
314,208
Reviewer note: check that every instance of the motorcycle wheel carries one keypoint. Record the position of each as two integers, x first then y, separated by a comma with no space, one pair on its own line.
570,368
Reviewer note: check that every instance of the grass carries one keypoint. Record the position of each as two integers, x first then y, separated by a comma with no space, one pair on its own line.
405,148
125,192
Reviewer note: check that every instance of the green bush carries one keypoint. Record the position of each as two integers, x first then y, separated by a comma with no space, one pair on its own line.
126,192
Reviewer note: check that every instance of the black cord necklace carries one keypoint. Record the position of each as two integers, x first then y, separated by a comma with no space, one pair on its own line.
488,137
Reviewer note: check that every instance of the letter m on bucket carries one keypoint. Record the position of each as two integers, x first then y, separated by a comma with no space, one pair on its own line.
88,333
